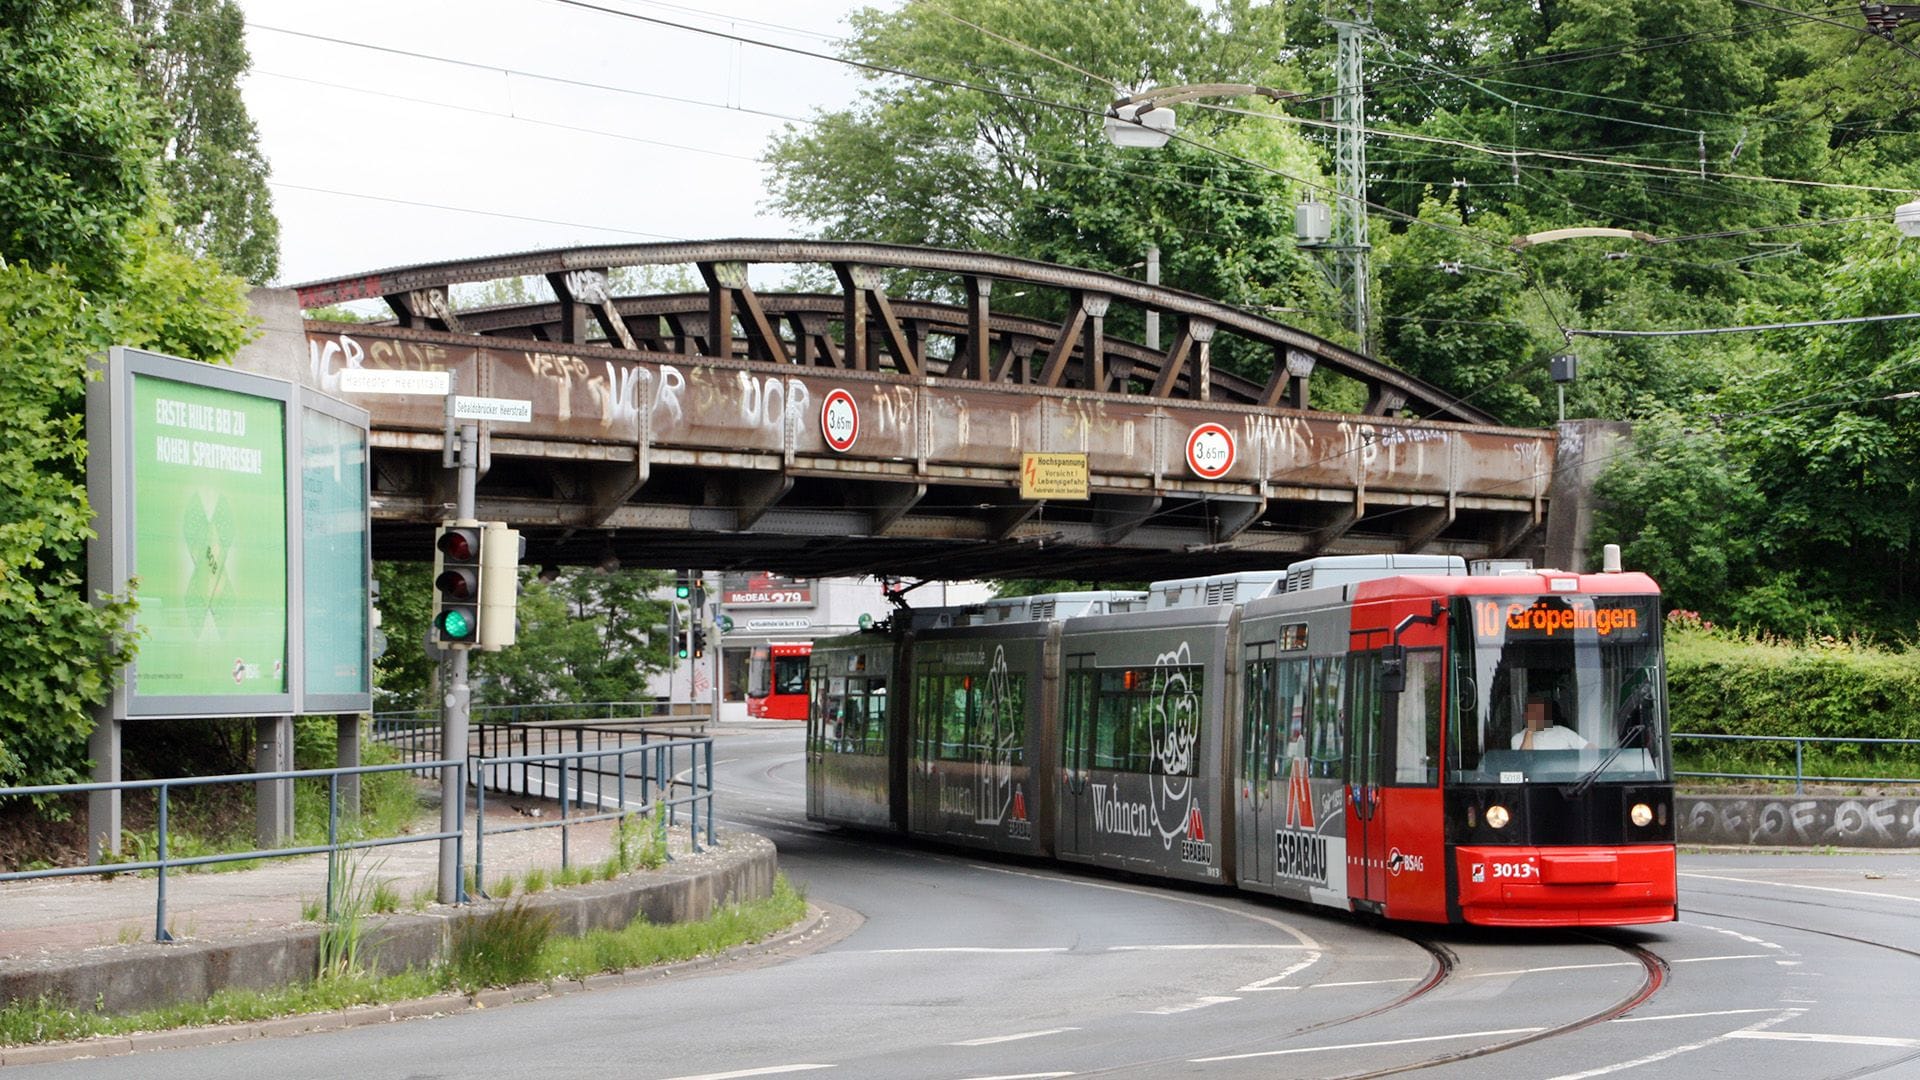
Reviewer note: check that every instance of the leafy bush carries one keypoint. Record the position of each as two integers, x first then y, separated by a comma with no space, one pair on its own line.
1725,684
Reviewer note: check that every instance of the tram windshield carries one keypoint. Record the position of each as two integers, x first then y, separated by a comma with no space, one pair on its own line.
1557,689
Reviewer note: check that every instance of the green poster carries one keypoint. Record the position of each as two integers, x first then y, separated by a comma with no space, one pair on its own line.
210,540
333,494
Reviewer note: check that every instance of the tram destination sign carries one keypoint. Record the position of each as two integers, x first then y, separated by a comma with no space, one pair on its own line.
1544,618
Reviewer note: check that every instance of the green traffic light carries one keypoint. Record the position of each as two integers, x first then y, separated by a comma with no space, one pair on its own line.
456,625
681,592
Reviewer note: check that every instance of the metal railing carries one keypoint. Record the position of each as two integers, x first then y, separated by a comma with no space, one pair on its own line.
418,740
657,781
161,863
1799,775
564,711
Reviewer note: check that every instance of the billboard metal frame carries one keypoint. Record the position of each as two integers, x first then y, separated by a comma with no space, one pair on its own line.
113,556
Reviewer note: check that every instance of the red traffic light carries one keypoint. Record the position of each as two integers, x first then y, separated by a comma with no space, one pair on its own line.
459,545
458,584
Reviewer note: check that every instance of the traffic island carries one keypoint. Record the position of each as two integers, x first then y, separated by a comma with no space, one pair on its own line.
129,978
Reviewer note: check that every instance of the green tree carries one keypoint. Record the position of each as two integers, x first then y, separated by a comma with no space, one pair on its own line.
89,264
584,636
192,56
75,138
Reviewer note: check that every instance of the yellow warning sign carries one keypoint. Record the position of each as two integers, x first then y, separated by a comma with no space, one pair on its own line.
1053,476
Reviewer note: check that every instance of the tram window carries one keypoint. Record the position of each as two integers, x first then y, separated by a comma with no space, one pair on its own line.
953,716
1363,709
1112,723
1416,746
1078,719
1145,716
1326,741
1292,718
790,675
1257,734
1005,720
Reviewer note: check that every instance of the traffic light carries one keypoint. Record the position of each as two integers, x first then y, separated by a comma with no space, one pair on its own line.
699,641
682,585
456,584
499,585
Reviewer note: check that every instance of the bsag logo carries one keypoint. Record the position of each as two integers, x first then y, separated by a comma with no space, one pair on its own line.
1397,861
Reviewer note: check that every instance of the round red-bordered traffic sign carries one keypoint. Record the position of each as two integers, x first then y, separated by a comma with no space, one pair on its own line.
1210,451
840,420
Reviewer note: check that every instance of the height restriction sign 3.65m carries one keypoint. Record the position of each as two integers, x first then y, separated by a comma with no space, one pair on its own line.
1210,451
840,420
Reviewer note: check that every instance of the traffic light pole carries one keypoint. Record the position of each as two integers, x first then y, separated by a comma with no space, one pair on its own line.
454,705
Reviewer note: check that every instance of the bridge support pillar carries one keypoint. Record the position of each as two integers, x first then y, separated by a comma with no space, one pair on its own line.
1586,448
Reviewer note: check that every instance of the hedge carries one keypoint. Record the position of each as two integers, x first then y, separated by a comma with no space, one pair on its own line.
1721,685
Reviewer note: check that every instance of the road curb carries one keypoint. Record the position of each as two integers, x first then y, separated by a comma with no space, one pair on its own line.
818,927
127,978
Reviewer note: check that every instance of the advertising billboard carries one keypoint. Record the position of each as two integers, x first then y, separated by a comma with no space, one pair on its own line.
201,513
335,544
761,589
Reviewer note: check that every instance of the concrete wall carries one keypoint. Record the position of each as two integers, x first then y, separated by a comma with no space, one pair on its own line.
1799,821
128,978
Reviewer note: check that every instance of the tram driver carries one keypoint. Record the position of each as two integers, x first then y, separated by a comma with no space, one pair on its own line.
1544,730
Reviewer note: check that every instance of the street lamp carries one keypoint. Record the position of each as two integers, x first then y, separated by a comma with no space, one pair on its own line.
1906,218
1146,119
1521,243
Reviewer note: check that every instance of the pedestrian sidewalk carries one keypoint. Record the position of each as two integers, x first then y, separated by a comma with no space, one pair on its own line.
75,916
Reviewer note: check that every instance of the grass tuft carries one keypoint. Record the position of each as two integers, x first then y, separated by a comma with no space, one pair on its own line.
501,949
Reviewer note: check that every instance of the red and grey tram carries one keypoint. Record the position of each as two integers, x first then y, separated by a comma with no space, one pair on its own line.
1384,734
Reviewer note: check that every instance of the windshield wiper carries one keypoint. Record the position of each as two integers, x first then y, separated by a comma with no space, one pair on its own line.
1579,787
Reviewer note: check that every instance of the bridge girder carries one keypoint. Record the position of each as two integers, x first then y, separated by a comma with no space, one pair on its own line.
683,429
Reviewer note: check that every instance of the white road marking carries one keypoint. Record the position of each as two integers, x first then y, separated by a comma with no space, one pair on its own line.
1844,1040
1813,888
770,1070
1305,940
1688,1016
1021,1076
1779,1018
1184,1007
1267,984
1369,1045
1711,959
966,949
1195,948
1559,967
1365,982
992,1039
1748,938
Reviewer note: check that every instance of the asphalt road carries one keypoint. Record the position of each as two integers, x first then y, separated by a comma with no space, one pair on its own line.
942,965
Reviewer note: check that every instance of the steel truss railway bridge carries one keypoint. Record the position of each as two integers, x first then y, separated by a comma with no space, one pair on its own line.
878,425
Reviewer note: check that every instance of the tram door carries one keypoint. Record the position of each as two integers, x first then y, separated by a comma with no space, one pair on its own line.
1074,825
816,739
1366,810
1257,757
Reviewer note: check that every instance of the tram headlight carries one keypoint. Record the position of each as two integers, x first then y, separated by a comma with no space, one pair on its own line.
1498,817
1641,814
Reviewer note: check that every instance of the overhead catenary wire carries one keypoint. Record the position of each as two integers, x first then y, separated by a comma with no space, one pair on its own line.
1708,330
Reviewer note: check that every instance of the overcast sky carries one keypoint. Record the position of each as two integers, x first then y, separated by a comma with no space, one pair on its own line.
382,159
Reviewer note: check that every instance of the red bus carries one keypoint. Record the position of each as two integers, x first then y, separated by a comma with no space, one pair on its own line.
777,680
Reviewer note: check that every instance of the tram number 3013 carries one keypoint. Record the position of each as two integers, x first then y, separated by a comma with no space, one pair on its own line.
1507,871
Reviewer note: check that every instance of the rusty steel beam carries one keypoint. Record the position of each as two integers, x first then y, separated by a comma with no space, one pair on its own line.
860,301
